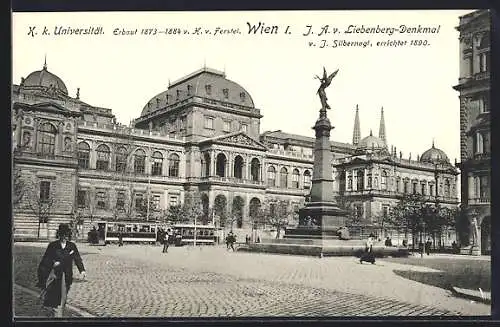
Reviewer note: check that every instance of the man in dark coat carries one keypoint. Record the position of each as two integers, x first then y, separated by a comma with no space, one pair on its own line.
55,272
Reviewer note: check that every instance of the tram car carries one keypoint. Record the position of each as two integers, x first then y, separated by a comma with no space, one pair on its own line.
184,234
132,232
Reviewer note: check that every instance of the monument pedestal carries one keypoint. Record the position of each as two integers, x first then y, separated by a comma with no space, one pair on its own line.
321,218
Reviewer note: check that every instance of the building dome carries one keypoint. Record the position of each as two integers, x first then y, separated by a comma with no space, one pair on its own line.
205,83
434,155
371,142
46,79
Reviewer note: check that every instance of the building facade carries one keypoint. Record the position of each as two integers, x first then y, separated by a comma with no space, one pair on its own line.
202,137
475,138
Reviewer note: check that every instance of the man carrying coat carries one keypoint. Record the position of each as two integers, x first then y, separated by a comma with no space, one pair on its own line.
55,272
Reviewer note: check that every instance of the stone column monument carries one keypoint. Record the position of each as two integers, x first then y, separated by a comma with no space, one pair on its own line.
321,218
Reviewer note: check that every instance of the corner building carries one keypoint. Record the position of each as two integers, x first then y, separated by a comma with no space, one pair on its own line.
200,136
475,137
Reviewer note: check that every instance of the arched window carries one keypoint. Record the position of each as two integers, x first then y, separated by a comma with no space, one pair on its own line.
283,178
406,186
478,144
423,188
220,165
447,188
206,165
360,180
483,54
83,155
307,179
295,178
375,182
47,137
477,187
139,161
271,176
431,189
383,180
398,184
238,167
173,165
102,162
157,164
255,170
121,159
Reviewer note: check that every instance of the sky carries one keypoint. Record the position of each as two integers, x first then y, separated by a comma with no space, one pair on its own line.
412,82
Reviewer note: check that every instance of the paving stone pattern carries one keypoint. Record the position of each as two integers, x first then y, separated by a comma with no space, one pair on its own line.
124,286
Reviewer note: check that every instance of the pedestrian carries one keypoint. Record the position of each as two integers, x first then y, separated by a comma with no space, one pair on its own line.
165,242
368,255
421,249
232,241
120,238
428,245
228,241
55,271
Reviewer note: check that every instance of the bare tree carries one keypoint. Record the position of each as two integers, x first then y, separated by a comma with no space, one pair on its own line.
39,201
190,211
276,213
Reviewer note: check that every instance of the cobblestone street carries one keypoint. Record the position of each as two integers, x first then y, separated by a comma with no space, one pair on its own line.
139,281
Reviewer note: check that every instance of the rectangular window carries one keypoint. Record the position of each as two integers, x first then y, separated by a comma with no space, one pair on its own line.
385,210
183,123
101,199
483,62
227,126
155,202
82,198
414,189
422,189
173,200
244,128
431,189
120,200
209,123
295,181
44,191
484,104
484,187
139,201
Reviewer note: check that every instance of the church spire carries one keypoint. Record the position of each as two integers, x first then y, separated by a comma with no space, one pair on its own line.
356,134
45,63
381,130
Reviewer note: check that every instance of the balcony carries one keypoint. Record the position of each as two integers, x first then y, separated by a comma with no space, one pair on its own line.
232,180
482,76
127,176
67,159
479,201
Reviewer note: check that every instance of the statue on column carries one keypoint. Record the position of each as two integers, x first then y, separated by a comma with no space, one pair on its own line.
325,82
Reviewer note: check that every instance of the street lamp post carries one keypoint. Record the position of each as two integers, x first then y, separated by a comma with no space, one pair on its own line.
194,239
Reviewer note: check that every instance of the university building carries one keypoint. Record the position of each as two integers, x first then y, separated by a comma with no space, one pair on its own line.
475,138
202,137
